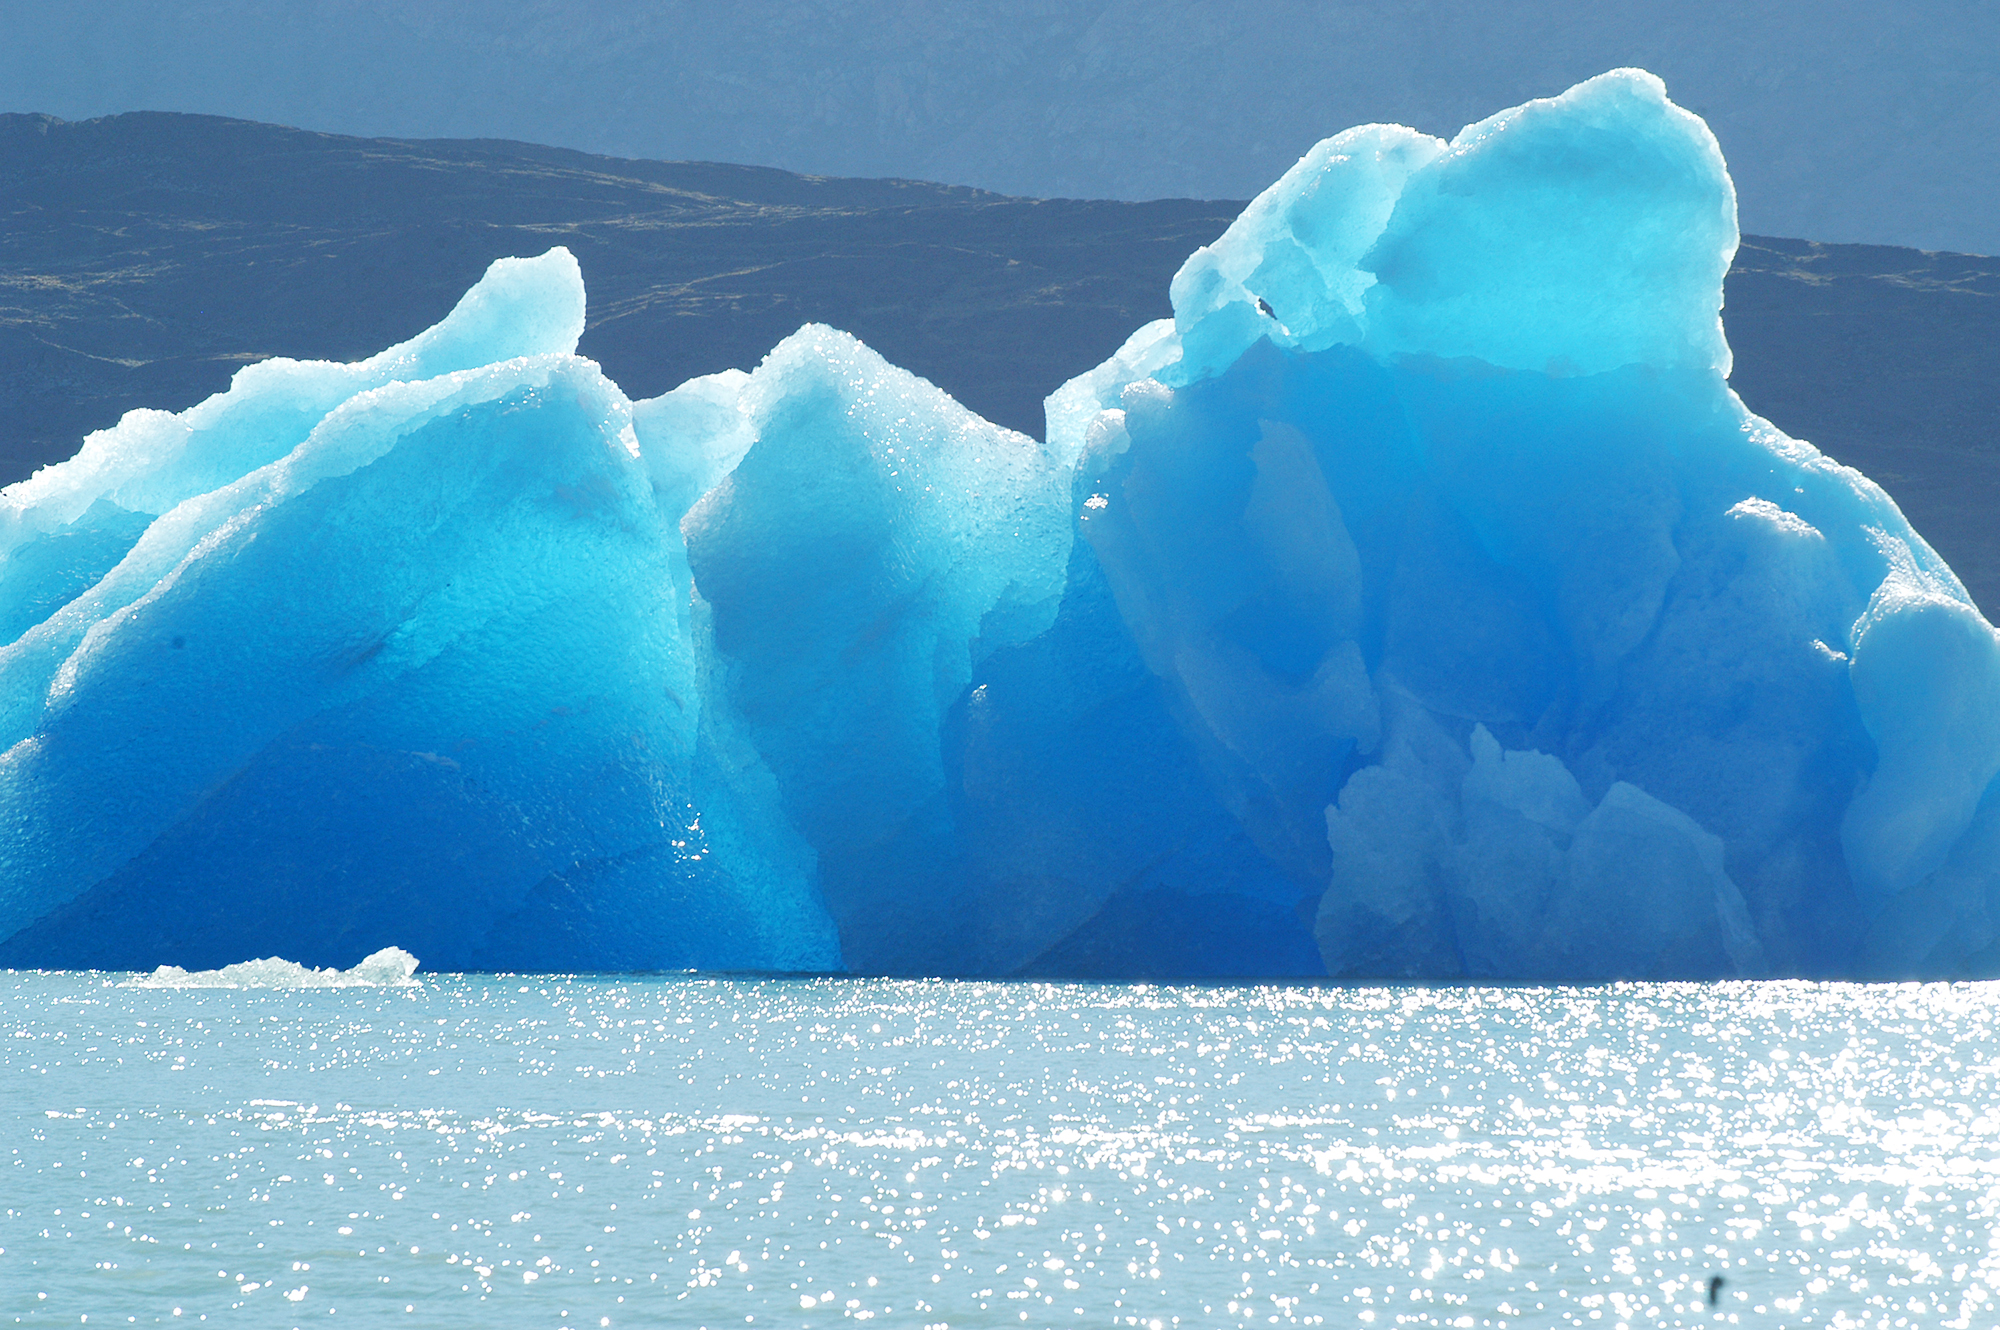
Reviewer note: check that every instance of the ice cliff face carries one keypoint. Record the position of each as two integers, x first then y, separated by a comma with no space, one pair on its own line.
1418,601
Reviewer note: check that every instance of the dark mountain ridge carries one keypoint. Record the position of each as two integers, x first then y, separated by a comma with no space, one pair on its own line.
145,257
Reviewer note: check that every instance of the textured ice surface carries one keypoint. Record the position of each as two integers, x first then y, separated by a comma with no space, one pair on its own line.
1494,607
426,670
391,967
1418,600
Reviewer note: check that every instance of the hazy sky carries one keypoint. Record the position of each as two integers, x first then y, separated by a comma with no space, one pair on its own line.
1842,120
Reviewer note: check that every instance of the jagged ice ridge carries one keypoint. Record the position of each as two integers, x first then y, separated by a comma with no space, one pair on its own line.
1417,601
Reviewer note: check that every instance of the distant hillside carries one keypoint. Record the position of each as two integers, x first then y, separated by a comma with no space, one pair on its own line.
1889,360
1845,119
144,257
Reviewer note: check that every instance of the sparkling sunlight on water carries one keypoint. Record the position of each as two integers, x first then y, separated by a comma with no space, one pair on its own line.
535,1152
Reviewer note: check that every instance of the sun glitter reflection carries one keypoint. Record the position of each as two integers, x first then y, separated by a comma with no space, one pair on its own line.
691,1151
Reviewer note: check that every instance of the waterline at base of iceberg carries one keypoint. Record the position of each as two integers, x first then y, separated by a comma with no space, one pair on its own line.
500,1150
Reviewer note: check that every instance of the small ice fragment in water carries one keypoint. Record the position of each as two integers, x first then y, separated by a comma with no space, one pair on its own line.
391,967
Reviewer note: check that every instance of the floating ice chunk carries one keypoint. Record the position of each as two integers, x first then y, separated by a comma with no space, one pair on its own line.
391,967
1438,612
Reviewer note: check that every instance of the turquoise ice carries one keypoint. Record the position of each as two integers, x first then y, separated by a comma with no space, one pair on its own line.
1418,601
427,665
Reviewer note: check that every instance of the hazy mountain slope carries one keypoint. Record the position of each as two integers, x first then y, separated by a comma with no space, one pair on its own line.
1889,359
1852,120
144,257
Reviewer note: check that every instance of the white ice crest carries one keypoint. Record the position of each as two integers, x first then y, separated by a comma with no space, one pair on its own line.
391,967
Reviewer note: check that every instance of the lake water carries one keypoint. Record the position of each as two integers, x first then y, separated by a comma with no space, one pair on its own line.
487,1151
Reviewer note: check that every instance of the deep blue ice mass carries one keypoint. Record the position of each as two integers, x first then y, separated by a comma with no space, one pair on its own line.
1417,601
494,1151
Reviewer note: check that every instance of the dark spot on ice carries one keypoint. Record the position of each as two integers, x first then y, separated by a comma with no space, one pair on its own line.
1715,1283
180,642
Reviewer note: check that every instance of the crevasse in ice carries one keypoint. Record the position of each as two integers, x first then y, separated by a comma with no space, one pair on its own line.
1417,601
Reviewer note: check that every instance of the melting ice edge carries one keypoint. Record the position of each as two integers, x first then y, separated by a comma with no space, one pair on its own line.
1418,601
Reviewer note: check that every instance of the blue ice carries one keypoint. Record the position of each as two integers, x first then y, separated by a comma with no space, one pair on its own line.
1417,601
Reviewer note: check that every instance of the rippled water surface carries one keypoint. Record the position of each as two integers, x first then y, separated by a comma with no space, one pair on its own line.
507,1152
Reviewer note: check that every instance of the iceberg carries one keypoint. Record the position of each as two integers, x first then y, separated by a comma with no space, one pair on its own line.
1418,601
